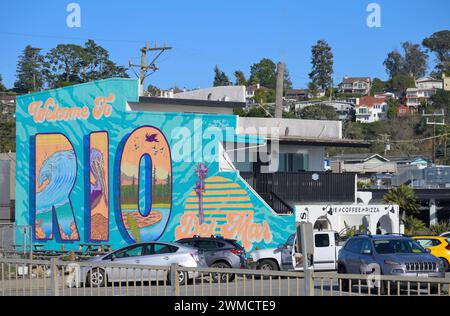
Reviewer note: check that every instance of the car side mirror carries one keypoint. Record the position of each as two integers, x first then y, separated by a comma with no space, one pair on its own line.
113,257
367,252
427,250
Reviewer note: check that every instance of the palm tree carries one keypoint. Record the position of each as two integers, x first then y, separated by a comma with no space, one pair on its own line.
415,227
405,197
440,228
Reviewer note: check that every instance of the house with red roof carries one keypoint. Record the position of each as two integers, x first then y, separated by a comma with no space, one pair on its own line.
371,109
403,111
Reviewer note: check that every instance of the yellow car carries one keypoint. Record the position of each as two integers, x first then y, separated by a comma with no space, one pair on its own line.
439,246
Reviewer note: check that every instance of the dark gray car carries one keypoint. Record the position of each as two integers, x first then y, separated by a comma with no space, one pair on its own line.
219,252
388,255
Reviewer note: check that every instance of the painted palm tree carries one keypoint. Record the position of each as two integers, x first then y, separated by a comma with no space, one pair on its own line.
202,173
405,197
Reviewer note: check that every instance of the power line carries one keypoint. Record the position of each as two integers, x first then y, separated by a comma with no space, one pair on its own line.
69,37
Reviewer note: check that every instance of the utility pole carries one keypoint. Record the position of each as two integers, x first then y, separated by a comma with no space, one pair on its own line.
279,92
434,122
143,67
386,142
331,89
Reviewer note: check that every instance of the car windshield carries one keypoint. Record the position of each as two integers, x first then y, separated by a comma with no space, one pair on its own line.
390,246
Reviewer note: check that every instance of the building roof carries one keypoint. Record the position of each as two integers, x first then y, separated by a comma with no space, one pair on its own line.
425,79
359,157
371,101
256,87
406,159
296,91
355,79
323,142
191,102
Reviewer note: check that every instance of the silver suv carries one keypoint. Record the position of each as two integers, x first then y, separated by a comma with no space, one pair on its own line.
390,255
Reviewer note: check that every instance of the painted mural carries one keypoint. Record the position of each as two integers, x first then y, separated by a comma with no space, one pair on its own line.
56,172
99,186
146,184
224,208
88,171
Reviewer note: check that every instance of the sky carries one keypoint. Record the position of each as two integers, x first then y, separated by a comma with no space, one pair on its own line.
233,34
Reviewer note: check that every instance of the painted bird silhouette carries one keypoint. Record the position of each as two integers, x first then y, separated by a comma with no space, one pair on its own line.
151,138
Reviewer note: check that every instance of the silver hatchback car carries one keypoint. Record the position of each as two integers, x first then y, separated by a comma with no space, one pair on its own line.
151,254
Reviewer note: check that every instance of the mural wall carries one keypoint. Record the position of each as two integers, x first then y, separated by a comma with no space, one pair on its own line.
88,171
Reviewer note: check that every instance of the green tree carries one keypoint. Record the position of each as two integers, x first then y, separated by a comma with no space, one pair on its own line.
69,64
287,80
97,65
153,90
439,43
415,60
220,78
319,112
240,78
322,64
412,63
263,96
2,86
400,83
29,71
313,89
440,228
394,64
377,86
405,197
258,111
264,73
392,108
63,65
414,226
8,136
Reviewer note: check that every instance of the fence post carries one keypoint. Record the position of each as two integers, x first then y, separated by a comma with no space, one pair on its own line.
174,280
309,282
54,277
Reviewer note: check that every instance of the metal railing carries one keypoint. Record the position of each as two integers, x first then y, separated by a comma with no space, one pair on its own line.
304,186
7,236
58,278
9,244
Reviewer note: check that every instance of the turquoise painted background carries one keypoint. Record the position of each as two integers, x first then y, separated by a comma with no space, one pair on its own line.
119,125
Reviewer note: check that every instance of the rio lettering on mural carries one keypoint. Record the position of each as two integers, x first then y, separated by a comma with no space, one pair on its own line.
56,173
143,175
146,184
99,186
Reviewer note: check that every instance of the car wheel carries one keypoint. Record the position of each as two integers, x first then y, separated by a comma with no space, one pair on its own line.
182,278
224,277
446,264
268,265
96,278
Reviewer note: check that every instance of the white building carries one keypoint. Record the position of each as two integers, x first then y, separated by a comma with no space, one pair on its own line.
355,85
429,83
371,109
426,87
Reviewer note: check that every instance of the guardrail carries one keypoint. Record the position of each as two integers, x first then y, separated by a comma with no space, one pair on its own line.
54,278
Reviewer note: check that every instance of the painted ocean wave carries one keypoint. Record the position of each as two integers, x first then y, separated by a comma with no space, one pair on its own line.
60,171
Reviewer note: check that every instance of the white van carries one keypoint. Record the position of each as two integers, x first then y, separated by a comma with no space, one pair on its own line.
326,248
